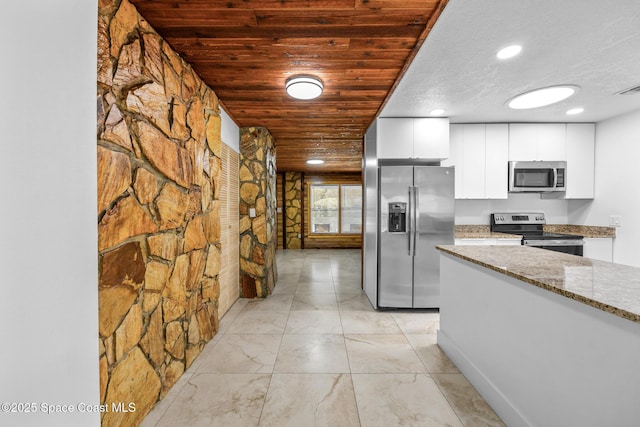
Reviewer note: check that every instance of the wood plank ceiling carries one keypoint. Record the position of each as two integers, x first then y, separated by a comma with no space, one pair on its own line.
245,50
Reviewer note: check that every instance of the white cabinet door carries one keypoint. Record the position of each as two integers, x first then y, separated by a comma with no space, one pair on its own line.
537,141
431,138
480,154
455,156
475,242
413,138
395,138
580,160
487,241
551,141
473,161
512,242
523,141
496,161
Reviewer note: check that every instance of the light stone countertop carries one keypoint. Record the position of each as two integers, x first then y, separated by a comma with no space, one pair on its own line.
589,231
463,231
610,287
480,232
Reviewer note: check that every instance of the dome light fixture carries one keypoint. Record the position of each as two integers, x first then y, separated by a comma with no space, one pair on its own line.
304,87
542,97
315,161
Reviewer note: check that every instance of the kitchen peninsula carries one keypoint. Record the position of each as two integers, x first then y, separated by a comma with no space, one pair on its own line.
548,339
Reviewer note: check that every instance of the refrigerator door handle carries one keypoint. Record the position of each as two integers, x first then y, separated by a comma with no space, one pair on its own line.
409,221
416,216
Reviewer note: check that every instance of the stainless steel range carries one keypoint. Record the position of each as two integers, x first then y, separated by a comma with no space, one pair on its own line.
530,227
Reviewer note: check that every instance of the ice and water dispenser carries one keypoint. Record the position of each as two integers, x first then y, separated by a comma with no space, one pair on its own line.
397,217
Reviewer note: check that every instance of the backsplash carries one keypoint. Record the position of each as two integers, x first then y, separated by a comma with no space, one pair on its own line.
478,211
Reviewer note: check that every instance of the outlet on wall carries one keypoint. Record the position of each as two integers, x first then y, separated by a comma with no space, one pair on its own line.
615,220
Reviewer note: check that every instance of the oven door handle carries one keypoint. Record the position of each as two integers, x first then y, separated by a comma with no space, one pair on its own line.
577,242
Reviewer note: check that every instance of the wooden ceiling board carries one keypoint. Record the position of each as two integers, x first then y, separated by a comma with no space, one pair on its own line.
245,50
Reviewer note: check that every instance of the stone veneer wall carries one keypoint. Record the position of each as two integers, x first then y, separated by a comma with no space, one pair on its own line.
293,209
258,235
159,186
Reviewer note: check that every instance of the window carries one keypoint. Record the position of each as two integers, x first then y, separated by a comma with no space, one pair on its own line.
351,208
335,209
324,208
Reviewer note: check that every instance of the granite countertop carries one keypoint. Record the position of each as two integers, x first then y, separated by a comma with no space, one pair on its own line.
589,231
483,231
480,232
613,288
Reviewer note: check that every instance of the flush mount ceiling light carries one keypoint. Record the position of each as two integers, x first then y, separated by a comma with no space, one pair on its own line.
436,112
304,87
315,162
542,97
509,51
574,111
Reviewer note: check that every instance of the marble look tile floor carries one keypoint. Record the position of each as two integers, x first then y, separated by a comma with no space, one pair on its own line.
315,353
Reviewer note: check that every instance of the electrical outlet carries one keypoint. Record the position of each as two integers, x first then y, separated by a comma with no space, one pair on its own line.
615,220
252,212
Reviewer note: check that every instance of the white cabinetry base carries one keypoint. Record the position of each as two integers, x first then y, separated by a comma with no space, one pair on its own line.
538,358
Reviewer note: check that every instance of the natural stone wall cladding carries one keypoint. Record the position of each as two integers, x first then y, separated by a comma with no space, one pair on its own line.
293,209
158,131
258,233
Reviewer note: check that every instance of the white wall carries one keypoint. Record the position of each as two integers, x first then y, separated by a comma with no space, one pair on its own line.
48,248
477,212
617,182
230,132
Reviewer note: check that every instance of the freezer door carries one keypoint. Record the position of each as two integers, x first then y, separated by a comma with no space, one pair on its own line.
395,274
435,223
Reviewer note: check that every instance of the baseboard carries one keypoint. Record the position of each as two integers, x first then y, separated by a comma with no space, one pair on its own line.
489,392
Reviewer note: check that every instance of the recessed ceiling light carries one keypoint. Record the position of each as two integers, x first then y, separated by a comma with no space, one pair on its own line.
315,161
542,97
509,51
436,112
574,111
304,87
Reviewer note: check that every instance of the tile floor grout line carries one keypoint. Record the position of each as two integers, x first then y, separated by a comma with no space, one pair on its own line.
453,407
305,267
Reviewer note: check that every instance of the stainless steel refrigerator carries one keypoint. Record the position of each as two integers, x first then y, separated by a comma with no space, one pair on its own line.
416,207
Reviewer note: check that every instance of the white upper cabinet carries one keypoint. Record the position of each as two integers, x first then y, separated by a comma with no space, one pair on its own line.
480,154
572,142
580,160
413,138
537,141
551,141
473,166
431,138
497,159
395,138
523,141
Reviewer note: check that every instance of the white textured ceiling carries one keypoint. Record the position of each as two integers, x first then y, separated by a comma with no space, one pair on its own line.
594,44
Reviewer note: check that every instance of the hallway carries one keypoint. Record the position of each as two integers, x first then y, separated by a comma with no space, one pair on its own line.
316,354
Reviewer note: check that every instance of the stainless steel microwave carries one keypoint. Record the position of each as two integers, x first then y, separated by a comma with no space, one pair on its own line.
537,177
